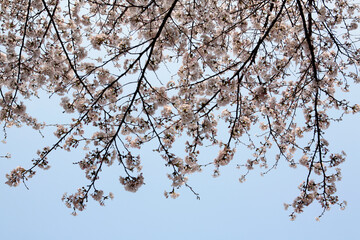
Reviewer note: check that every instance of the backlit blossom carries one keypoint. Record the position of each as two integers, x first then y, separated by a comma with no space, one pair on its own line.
260,77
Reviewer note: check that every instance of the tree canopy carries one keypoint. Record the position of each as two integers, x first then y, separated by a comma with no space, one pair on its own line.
261,75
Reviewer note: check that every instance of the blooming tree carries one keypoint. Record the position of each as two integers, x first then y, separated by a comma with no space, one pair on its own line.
130,72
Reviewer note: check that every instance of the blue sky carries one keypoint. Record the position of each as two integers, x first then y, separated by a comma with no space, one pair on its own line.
227,209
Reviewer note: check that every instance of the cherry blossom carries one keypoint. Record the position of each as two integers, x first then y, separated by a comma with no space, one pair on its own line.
133,72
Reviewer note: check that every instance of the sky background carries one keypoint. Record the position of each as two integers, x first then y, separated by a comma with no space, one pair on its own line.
227,209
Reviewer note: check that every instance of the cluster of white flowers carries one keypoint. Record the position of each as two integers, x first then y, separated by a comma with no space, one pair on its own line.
133,162
76,200
186,113
177,180
224,157
15,176
132,184
172,194
98,195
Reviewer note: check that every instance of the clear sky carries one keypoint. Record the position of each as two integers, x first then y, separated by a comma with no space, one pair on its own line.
227,209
